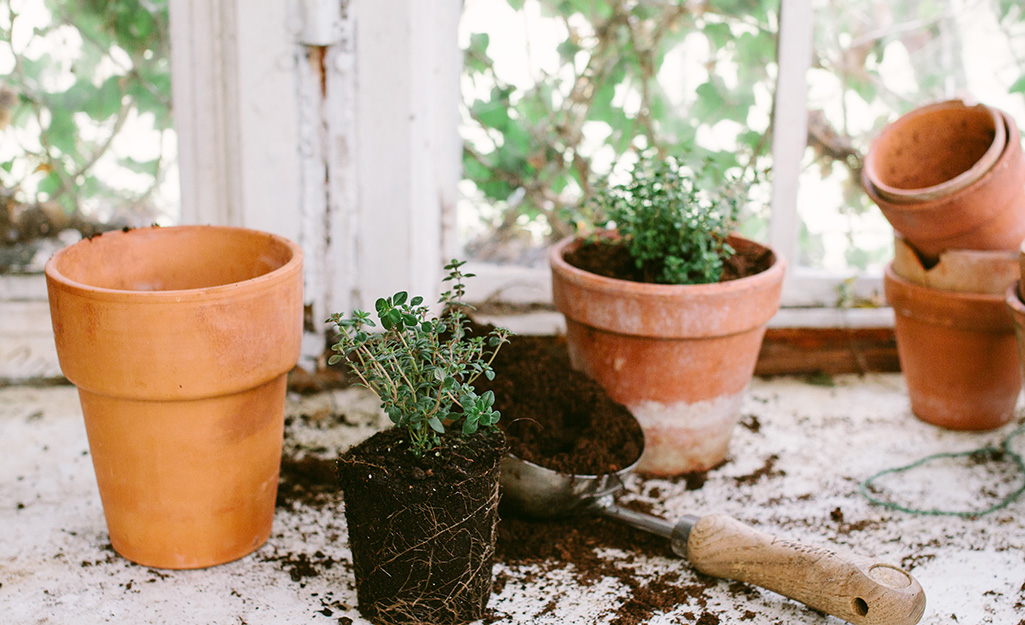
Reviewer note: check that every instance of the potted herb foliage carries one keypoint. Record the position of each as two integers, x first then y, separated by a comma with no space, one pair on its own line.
666,308
421,498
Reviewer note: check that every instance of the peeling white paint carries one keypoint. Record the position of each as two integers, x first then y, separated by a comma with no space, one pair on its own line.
683,437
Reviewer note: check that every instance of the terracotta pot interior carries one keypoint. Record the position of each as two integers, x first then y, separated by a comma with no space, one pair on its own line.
172,259
933,147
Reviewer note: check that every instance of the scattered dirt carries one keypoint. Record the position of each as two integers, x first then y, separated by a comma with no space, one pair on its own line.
768,470
309,481
575,543
609,258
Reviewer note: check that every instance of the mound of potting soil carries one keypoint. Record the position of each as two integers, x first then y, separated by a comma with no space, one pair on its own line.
557,417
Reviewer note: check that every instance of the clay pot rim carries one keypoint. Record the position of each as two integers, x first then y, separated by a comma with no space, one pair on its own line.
961,295
947,308
182,296
952,261
927,226
942,203
596,282
939,191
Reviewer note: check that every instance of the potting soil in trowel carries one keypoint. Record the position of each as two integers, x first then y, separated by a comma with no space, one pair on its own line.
556,416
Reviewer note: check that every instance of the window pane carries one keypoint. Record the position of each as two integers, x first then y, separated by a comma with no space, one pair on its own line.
86,136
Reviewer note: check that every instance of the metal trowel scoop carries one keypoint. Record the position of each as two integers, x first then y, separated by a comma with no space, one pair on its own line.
860,590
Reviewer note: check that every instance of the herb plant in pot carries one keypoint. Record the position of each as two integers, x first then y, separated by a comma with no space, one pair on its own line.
666,309
421,498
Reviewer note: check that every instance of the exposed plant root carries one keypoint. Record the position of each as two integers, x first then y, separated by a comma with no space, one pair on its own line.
423,548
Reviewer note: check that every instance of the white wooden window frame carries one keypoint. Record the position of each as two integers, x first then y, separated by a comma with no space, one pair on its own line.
335,123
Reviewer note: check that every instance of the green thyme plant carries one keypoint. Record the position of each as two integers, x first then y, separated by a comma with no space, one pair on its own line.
423,367
673,223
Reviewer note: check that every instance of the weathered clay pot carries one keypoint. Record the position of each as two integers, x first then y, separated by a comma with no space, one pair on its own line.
934,151
958,354
179,341
964,271
678,356
987,214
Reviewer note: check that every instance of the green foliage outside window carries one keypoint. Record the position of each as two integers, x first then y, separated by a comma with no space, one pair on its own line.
81,80
698,78
532,149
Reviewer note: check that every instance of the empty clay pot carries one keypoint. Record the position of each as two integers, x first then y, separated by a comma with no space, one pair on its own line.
934,151
964,271
179,341
987,214
678,356
958,354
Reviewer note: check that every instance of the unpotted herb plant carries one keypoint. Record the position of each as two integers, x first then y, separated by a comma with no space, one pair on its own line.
421,498
666,308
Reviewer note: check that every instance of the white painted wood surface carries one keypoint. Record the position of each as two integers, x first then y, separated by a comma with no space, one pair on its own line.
790,131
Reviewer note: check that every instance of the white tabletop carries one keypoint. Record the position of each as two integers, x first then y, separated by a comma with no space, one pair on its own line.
794,470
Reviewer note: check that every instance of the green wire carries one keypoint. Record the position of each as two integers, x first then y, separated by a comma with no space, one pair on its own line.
1004,451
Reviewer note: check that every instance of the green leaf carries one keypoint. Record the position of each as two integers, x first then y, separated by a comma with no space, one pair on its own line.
493,113
436,425
62,131
1018,86
107,100
399,298
140,167
710,102
718,34
50,184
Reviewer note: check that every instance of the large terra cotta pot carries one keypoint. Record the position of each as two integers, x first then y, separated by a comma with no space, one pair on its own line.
957,352
179,341
679,357
966,204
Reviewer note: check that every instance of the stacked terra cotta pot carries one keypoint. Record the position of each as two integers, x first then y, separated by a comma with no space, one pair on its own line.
950,179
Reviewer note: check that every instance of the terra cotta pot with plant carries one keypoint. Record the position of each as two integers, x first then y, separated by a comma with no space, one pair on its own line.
934,177
678,356
179,341
667,310
957,352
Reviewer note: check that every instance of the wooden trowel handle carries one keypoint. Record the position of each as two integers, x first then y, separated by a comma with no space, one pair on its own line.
859,590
